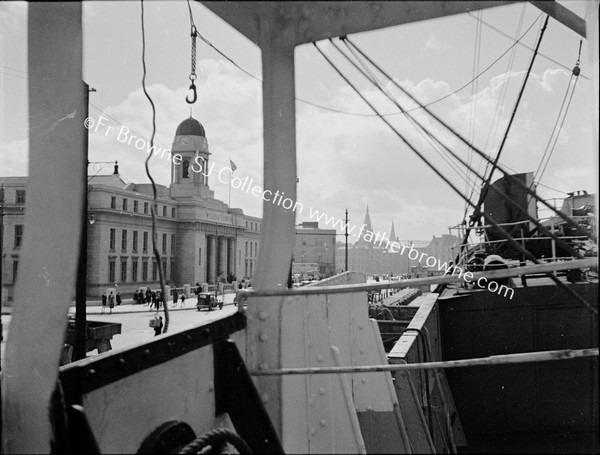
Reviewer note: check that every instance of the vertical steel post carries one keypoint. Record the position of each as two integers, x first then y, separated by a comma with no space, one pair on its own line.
45,287
279,129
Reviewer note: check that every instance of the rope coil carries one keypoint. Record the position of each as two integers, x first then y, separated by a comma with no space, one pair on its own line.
215,438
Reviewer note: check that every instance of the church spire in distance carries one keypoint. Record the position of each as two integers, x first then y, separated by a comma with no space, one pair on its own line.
393,237
367,221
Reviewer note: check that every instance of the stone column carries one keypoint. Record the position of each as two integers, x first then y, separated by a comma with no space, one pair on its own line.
231,249
211,246
222,264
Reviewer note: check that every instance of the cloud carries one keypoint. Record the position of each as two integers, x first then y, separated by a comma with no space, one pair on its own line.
14,158
348,161
228,107
433,44
12,15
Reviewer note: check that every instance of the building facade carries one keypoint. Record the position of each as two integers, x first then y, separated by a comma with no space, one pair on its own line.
372,253
197,236
314,246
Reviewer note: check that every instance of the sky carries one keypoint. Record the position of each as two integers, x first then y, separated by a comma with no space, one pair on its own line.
347,157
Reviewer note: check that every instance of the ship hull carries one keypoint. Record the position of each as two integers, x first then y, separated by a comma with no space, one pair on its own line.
533,407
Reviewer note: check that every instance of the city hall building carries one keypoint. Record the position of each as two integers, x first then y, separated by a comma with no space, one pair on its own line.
198,237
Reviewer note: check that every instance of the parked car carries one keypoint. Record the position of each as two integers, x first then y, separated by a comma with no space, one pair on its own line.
206,300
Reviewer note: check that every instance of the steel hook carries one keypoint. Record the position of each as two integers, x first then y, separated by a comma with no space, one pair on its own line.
194,94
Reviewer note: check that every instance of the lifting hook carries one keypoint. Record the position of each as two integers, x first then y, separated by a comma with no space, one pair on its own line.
193,94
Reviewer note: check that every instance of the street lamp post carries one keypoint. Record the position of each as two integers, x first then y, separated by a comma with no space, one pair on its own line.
80,335
346,234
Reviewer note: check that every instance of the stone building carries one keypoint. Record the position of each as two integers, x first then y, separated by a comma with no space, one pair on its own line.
315,246
197,236
372,254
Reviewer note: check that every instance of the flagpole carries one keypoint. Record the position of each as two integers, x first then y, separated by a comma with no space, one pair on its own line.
230,172
232,168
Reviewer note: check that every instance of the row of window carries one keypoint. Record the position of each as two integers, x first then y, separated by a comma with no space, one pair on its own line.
124,273
249,268
146,207
253,249
316,240
134,241
252,225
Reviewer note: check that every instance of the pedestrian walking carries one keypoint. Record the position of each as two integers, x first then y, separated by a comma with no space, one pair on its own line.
175,298
182,300
103,302
158,327
119,300
111,302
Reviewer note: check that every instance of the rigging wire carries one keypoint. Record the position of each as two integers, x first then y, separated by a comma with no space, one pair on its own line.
142,136
511,241
429,138
462,139
358,114
574,74
420,127
525,45
154,205
474,90
495,123
512,117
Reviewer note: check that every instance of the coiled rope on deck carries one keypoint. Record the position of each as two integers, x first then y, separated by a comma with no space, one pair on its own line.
215,438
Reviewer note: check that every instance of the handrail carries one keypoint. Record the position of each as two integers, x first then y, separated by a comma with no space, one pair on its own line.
489,242
504,359
414,282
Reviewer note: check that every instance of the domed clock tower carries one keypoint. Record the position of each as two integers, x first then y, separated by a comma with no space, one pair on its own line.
190,166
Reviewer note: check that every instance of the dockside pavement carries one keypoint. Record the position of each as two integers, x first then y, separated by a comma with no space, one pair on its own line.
95,306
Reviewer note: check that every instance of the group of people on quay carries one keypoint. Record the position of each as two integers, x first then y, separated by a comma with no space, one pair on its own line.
110,301
148,297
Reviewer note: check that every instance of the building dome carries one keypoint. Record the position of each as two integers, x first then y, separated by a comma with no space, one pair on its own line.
190,127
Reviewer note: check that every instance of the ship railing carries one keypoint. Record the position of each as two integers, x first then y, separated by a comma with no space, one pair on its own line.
491,275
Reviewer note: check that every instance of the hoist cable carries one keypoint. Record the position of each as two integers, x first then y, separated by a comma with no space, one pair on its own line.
555,133
495,123
479,152
192,76
474,90
427,136
487,217
574,73
154,205
423,130
512,117
525,45
486,184
358,114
